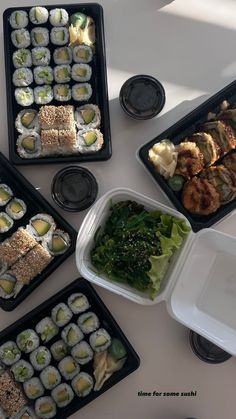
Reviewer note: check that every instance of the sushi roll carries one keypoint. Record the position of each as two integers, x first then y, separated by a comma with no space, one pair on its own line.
9,286
62,55
82,353
81,72
67,141
78,303
22,371
41,56
16,209
5,194
50,377
43,75
33,388
20,38
62,73
82,384
81,92
89,141
88,322
38,15
59,36
27,121
40,37
24,96
47,329
45,408
25,413
12,398
22,77
82,54
100,340
9,353
40,358
6,222
62,395
87,116
58,244
19,19
22,58
65,117
62,92
41,226
68,368
16,246
43,94
59,350
58,17
29,145
61,314
49,141
72,334
27,341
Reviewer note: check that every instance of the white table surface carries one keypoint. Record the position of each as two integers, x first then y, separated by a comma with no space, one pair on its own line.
190,47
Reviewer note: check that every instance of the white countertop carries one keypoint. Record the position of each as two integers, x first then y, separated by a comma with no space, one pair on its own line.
189,46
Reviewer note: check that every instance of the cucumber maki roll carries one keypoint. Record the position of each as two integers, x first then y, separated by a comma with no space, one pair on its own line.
16,209
9,286
25,413
89,141
29,145
100,340
27,341
19,19
81,72
9,353
62,92
59,36
40,37
62,73
61,314
72,334
24,96
88,322
33,388
62,55
68,368
50,377
5,194
22,58
38,15
62,395
59,350
6,222
27,121
40,358
87,116
82,54
82,353
45,408
41,56
58,244
41,226
47,329
43,94
22,77
22,371
43,75
82,384
58,17
78,303
20,38
81,92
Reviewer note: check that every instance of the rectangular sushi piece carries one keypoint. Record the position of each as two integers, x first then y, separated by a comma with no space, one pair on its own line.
65,117
16,246
49,141
47,117
12,398
67,141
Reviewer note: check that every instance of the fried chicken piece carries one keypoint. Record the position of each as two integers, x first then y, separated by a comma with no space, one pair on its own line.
229,116
190,159
230,161
208,147
222,133
200,197
223,180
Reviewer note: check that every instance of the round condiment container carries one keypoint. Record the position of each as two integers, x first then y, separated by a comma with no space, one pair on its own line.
74,188
142,97
207,351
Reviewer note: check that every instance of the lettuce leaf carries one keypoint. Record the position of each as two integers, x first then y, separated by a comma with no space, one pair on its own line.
159,266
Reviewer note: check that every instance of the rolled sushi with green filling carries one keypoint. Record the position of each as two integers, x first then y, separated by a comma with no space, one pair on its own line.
45,408
50,377
24,96
5,194
59,36
82,353
40,37
29,145
43,94
62,395
41,56
62,73
43,75
81,92
40,358
82,54
68,368
22,77
41,226
19,19
38,15
82,384
33,388
59,350
25,413
58,17
9,353
58,244
16,208
61,314
62,92
62,55
9,286
72,334
88,322
78,303
89,140
81,72
6,222
27,121
87,116
22,371
47,329
100,340
22,58
20,38
27,341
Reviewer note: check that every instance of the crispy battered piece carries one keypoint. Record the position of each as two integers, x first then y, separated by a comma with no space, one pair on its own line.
200,197
49,141
190,159
229,116
208,147
223,135
65,117
11,396
223,180
16,246
48,117
230,161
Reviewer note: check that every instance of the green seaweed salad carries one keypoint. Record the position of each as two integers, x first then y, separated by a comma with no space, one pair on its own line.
135,246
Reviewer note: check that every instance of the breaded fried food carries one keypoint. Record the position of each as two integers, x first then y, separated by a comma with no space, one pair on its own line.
222,133
199,196
229,161
190,159
208,147
223,181
229,116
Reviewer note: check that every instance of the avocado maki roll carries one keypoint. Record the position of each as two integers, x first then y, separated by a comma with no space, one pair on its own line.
33,388
87,116
59,350
40,358
82,353
82,384
41,56
41,226
63,395
89,140
45,408
59,36
58,17
50,377
82,54
43,75
20,38
19,19
43,94
22,371
68,368
16,209
27,121
58,244
81,92
81,72
62,55
40,37
5,194
9,353
9,286
47,329
62,73
22,58
62,92
22,77
38,15
27,341
72,334
29,145
78,303
24,96
6,222
88,322
100,340
61,314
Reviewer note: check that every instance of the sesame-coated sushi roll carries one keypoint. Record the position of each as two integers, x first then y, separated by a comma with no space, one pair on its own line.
100,340
40,358
78,303
45,408
12,398
62,92
65,117
41,56
72,334
29,145
5,194
24,96
6,222
16,209
58,244
19,19
49,142
81,92
62,55
22,371
87,116
41,226
59,36
43,94
67,141
48,117
38,15
81,72
33,388
58,17
82,384
9,353
89,141
27,341
22,58
63,395
68,368
16,246
20,38
88,322
22,77
40,37
62,73
9,286
61,314
50,377
82,54
82,353
59,350
43,75
47,329
27,121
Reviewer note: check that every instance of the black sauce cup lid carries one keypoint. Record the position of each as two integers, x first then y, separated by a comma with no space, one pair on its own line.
74,188
207,351
142,97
